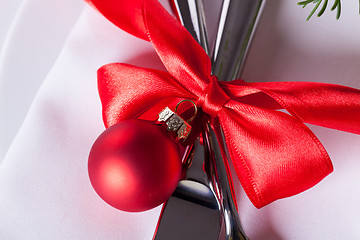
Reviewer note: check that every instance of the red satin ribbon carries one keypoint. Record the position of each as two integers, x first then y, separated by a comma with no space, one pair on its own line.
274,154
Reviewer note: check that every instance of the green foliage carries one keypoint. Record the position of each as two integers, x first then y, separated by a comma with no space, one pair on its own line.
336,5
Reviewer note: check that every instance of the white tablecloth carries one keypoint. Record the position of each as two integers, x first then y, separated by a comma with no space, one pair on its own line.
50,115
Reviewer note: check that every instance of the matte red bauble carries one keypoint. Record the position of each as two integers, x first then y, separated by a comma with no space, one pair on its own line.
134,165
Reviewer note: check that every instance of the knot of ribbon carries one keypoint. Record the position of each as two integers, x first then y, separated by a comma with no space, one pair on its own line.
275,154
213,99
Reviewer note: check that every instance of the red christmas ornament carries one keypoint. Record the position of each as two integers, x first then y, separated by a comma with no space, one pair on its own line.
134,165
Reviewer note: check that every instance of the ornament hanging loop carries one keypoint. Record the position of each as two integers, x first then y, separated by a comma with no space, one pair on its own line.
195,109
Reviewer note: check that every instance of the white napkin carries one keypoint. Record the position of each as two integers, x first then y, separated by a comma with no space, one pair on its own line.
44,188
32,43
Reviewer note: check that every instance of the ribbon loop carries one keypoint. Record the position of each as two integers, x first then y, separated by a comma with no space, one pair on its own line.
213,99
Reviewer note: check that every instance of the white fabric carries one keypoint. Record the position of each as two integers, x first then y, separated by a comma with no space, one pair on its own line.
44,188
33,42
8,10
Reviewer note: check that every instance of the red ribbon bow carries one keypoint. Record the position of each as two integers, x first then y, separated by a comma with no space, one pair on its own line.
274,154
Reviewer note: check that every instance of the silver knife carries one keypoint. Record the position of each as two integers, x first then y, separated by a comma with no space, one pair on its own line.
193,211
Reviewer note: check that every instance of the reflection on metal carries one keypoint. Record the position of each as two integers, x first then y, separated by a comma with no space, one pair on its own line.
193,211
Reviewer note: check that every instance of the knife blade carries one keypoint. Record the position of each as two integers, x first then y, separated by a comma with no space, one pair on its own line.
193,210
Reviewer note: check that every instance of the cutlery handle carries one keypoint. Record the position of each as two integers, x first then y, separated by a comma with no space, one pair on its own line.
192,16
238,21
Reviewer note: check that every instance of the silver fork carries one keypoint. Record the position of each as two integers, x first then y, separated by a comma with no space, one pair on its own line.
236,27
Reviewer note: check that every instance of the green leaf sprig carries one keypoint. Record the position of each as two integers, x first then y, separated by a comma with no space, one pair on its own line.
336,5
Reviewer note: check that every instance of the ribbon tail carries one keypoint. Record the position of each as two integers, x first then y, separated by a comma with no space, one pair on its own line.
274,154
127,91
327,105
